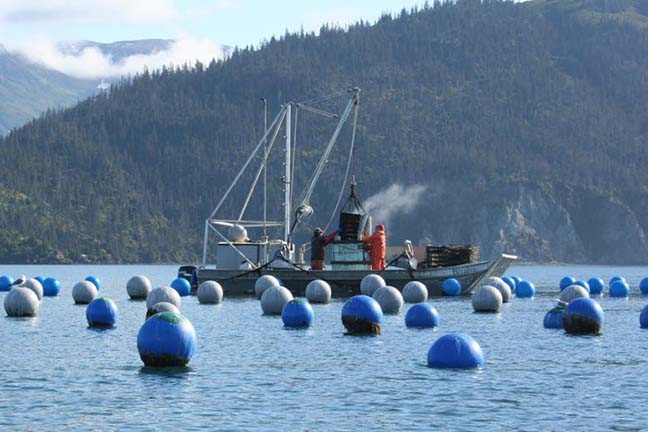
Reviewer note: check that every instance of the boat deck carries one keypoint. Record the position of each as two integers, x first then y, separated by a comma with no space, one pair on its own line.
347,283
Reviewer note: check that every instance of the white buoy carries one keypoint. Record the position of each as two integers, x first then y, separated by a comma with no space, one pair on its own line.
274,299
163,294
138,287
573,292
237,233
21,302
501,286
164,307
487,299
263,283
84,292
389,299
370,283
210,292
35,286
318,291
415,292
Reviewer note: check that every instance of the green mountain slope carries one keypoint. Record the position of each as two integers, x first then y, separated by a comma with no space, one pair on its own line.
27,90
525,124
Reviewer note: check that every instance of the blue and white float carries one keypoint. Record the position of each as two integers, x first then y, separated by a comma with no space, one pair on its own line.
567,281
643,317
5,282
51,287
182,286
583,284
510,282
583,316
362,314
102,312
455,351
422,315
619,288
554,318
643,286
297,313
95,281
451,287
596,286
167,339
525,289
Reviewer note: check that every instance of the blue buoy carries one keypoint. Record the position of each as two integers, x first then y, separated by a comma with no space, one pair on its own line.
451,287
362,315
566,281
166,339
297,313
554,318
5,282
517,279
643,318
583,316
102,312
40,279
619,288
596,285
422,315
182,286
617,278
510,282
525,289
583,284
51,287
455,351
95,281
643,286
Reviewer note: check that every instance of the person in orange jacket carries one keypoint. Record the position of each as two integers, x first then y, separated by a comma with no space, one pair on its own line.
378,243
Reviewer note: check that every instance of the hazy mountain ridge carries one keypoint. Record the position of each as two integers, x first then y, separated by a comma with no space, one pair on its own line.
525,123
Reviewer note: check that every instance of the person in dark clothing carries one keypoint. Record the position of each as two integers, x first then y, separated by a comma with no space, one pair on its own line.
318,248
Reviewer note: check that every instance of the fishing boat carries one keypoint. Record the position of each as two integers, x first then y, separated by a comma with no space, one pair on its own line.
240,261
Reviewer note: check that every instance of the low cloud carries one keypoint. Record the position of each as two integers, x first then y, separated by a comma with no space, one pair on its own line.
14,11
91,63
396,199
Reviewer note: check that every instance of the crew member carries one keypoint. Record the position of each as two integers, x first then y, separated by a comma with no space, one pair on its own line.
378,244
318,248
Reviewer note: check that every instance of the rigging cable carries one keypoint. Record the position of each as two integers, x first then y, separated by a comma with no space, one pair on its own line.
348,167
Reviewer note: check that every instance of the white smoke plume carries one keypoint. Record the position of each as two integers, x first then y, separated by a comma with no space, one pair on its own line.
396,199
91,63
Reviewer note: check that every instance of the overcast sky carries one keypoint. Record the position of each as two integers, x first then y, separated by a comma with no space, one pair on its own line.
33,27
231,22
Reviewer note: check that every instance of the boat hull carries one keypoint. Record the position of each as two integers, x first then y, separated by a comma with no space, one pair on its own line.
347,283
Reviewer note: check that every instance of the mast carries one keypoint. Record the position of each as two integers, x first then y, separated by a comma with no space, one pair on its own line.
288,174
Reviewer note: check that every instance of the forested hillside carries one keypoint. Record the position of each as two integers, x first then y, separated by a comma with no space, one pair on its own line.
526,125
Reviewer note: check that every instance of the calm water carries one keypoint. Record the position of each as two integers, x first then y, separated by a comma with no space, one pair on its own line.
251,374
